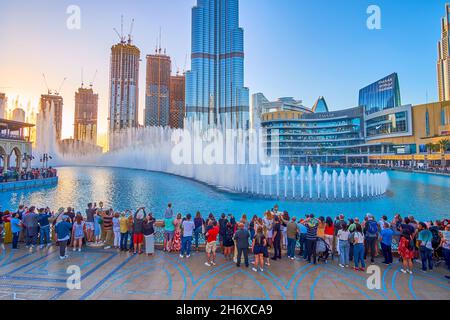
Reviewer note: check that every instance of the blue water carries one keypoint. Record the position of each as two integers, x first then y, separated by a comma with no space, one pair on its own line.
424,196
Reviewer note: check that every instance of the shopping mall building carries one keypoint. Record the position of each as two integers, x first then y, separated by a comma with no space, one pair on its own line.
379,131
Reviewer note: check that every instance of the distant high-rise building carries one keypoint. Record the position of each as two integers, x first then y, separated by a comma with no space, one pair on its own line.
177,101
3,105
320,106
86,111
124,85
157,100
443,63
381,95
215,92
258,100
18,114
46,104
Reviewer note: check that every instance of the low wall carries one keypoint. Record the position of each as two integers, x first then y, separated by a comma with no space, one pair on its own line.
27,184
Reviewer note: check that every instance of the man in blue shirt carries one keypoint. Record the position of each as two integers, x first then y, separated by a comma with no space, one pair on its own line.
16,228
425,238
44,227
63,229
302,239
386,242
30,220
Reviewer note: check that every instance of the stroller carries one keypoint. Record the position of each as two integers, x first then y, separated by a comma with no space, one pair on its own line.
322,250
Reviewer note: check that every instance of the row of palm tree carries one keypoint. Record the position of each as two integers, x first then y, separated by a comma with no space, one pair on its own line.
442,146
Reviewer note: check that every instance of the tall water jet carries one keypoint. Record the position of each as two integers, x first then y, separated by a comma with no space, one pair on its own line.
310,181
335,177
293,178
302,181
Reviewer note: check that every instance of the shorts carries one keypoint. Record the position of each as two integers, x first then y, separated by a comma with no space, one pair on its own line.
211,247
138,238
258,250
90,226
169,235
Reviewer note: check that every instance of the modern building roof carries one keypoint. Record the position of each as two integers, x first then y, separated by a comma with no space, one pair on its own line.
14,125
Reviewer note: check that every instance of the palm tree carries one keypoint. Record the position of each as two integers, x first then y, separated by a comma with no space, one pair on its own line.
444,144
431,147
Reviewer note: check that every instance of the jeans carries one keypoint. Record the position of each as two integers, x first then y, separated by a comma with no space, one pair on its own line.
370,245
15,239
131,241
311,249
302,242
291,247
186,244
62,248
358,254
32,233
387,252
252,233
44,233
239,256
350,254
344,250
197,232
123,240
446,253
427,256
150,244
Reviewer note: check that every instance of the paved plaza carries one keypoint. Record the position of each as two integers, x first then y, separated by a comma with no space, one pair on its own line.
111,275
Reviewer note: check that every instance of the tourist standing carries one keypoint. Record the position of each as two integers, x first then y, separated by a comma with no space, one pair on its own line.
242,237
358,248
211,243
138,230
329,233
44,228
149,234
424,239
406,251
321,228
30,220
176,246
116,230
445,244
276,238
130,223
63,229
302,239
90,227
199,224
123,222
268,223
78,230
169,232
107,224
311,238
343,245
169,212
228,242
16,228
251,227
258,246
386,243
223,221
188,227
97,229
291,234
284,220
371,235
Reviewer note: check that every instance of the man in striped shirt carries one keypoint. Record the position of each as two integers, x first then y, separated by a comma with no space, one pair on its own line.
311,237
107,217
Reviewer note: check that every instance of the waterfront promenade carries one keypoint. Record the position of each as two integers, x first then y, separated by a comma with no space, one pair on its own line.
111,275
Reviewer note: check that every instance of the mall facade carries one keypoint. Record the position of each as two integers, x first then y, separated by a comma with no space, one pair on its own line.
379,131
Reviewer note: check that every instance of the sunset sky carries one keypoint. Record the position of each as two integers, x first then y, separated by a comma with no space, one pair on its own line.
298,48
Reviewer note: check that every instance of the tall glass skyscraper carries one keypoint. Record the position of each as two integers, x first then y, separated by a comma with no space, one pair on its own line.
443,63
381,95
215,92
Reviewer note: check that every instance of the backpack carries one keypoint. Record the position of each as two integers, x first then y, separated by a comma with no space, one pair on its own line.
436,240
372,228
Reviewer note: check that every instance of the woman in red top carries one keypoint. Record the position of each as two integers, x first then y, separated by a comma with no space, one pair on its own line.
329,232
406,252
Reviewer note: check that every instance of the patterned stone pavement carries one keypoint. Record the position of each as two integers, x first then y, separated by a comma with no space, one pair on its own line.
111,275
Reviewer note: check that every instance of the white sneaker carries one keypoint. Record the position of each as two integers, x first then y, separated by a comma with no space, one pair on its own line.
254,269
341,265
188,256
207,264
62,258
107,247
410,272
74,249
213,263
261,269
181,256
79,249
403,270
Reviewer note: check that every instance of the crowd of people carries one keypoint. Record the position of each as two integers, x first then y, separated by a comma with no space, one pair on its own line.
26,174
310,238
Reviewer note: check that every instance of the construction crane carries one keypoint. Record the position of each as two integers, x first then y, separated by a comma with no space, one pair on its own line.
55,92
59,89
131,32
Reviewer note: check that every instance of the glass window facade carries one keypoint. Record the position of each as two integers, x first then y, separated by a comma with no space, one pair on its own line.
381,95
388,124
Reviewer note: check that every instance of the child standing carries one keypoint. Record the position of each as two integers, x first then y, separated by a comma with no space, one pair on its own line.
97,229
79,229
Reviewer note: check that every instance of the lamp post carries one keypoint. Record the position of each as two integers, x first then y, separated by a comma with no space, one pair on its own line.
44,159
